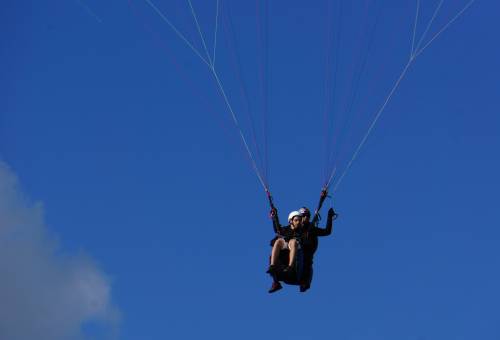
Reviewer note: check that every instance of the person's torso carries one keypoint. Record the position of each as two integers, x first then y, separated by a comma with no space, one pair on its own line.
288,233
310,239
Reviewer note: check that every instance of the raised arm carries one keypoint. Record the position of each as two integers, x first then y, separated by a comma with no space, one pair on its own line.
276,221
329,224
273,213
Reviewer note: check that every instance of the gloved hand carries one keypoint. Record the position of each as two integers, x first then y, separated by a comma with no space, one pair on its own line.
273,212
332,214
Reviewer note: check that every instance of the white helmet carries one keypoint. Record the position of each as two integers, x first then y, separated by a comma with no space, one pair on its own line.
292,215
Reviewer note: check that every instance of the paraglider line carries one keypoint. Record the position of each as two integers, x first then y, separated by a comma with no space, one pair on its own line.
221,88
226,100
327,88
327,185
200,32
215,33
232,44
262,57
236,123
429,24
332,102
403,73
377,116
415,28
89,11
179,34
444,27
354,92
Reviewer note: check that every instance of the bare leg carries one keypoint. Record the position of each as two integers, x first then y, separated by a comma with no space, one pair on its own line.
292,244
278,245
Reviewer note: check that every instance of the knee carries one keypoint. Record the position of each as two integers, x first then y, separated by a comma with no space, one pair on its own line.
279,243
292,243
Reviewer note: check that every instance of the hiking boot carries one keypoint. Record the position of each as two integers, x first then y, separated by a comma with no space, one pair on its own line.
275,287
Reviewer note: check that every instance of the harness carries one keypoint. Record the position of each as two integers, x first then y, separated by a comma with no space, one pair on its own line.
296,277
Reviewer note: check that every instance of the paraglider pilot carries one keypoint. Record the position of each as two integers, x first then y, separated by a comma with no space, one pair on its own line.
309,243
296,245
287,240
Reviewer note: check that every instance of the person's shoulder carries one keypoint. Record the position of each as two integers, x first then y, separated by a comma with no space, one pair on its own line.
308,226
314,229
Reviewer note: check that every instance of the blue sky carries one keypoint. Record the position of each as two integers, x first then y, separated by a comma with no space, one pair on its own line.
111,123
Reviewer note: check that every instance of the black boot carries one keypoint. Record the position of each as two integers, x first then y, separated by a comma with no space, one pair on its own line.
275,287
271,269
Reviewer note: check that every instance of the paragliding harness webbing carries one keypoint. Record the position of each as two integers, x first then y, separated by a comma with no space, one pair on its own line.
271,204
273,214
317,217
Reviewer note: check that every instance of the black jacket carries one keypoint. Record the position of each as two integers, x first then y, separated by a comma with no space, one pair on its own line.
311,234
285,232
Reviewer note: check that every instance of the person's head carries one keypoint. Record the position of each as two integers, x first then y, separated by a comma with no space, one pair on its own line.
305,214
294,219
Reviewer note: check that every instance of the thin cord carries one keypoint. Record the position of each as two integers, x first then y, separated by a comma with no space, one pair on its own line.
429,24
193,12
415,28
445,27
179,34
402,75
216,27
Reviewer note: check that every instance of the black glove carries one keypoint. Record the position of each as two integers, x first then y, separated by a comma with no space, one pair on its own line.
332,214
273,212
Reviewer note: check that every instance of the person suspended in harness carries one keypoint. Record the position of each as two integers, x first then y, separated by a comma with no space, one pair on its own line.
285,264
294,246
309,242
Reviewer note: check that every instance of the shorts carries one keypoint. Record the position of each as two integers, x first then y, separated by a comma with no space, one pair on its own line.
286,245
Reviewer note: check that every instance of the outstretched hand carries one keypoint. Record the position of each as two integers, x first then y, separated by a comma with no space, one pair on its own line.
332,213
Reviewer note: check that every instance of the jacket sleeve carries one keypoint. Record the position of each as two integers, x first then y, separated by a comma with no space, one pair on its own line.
327,230
276,224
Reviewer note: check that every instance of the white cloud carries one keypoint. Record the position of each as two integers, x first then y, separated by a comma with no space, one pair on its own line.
44,294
